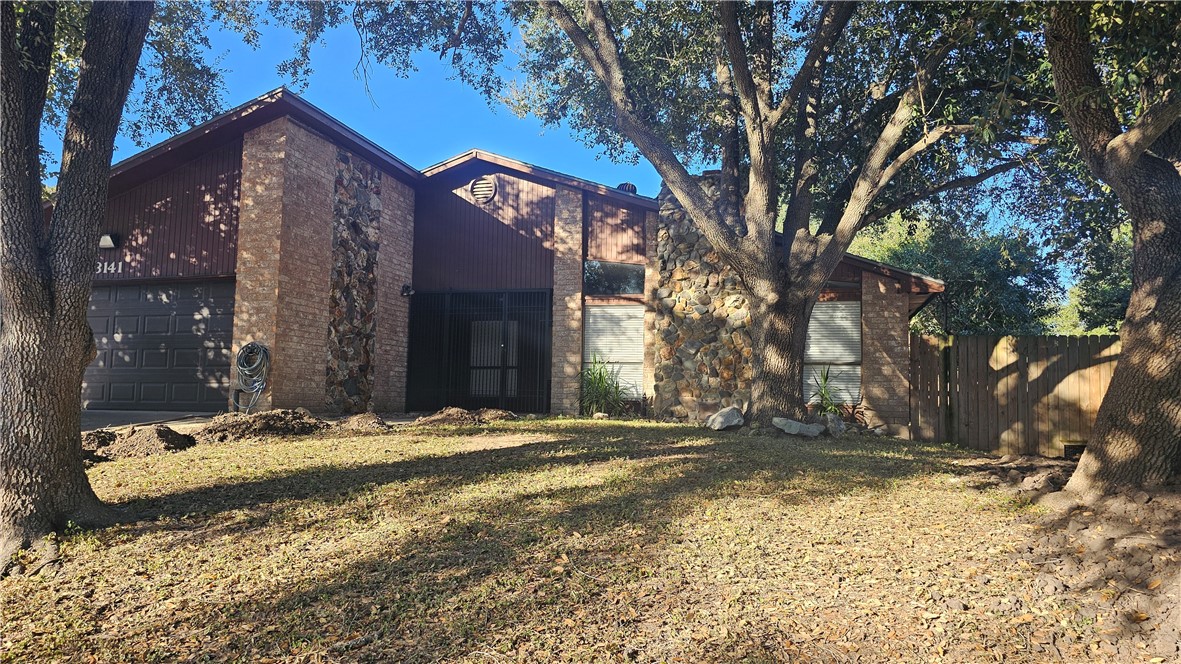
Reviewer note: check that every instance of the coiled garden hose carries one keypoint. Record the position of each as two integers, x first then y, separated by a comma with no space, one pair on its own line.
254,362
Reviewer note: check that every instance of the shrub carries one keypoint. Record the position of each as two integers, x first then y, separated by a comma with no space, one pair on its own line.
824,393
602,391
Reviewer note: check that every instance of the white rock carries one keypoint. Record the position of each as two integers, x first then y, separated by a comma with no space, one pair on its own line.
794,428
600,416
725,418
834,425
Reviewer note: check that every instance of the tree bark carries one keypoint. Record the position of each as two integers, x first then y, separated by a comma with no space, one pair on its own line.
1136,441
45,274
780,334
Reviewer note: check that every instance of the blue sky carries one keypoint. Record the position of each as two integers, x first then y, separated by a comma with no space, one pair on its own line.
423,119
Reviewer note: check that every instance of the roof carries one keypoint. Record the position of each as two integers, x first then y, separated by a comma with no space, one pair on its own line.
924,282
541,173
254,113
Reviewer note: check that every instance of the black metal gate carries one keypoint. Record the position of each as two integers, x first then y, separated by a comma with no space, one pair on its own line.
479,350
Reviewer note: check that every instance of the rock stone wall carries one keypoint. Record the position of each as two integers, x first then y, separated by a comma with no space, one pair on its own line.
356,232
701,322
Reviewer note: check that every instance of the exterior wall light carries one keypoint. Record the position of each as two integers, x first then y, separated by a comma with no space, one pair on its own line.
407,291
108,241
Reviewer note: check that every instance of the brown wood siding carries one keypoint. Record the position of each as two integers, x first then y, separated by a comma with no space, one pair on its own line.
504,244
180,224
614,233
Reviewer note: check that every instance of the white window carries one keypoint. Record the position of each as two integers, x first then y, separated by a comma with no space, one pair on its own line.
615,333
834,342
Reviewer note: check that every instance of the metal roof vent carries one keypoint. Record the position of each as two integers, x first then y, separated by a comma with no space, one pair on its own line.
628,187
483,189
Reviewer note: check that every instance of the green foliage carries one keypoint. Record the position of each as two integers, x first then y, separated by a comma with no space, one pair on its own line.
1098,300
602,390
824,393
996,282
180,80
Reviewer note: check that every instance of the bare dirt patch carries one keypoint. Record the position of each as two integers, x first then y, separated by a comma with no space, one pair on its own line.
452,416
489,415
362,423
267,424
93,444
1119,560
138,442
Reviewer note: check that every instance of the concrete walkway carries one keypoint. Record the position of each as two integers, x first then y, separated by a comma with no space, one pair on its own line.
110,419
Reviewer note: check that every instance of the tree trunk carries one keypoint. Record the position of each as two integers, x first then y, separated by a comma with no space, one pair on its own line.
45,272
1136,441
780,334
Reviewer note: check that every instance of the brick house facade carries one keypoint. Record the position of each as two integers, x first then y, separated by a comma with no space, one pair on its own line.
376,286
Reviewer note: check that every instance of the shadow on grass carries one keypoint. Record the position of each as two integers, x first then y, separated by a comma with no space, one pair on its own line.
493,575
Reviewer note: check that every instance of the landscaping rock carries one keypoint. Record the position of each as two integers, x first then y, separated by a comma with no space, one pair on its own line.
794,428
600,416
725,419
148,441
834,425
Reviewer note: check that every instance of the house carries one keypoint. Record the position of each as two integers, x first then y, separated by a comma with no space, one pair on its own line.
480,281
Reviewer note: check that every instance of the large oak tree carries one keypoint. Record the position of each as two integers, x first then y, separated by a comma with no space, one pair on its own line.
45,269
824,118
1121,98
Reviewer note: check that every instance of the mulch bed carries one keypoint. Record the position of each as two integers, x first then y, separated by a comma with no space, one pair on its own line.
1119,560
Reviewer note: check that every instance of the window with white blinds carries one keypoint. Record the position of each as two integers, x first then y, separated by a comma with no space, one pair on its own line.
615,333
834,341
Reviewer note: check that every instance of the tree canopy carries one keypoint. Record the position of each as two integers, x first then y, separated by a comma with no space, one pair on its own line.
997,281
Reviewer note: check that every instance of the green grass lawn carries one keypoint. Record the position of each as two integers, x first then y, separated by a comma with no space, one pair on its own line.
535,541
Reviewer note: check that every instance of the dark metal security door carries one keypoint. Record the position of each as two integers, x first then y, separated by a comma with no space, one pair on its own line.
480,350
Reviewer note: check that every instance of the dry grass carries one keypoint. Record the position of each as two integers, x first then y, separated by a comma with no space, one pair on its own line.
537,541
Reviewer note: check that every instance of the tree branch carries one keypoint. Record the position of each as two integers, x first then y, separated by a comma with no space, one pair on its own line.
1123,150
744,82
683,185
833,20
25,55
956,183
930,138
456,38
115,34
1092,118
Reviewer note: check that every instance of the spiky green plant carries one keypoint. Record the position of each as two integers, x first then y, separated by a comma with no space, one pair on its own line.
825,394
602,391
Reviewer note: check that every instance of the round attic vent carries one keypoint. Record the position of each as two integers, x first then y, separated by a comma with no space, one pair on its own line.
483,189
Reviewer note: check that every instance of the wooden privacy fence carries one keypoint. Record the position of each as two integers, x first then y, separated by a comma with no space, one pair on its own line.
1010,395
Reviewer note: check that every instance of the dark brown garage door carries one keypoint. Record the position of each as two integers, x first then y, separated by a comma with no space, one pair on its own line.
163,346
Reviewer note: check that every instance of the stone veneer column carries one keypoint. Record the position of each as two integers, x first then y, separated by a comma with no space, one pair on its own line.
885,354
566,340
651,302
284,258
394,268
